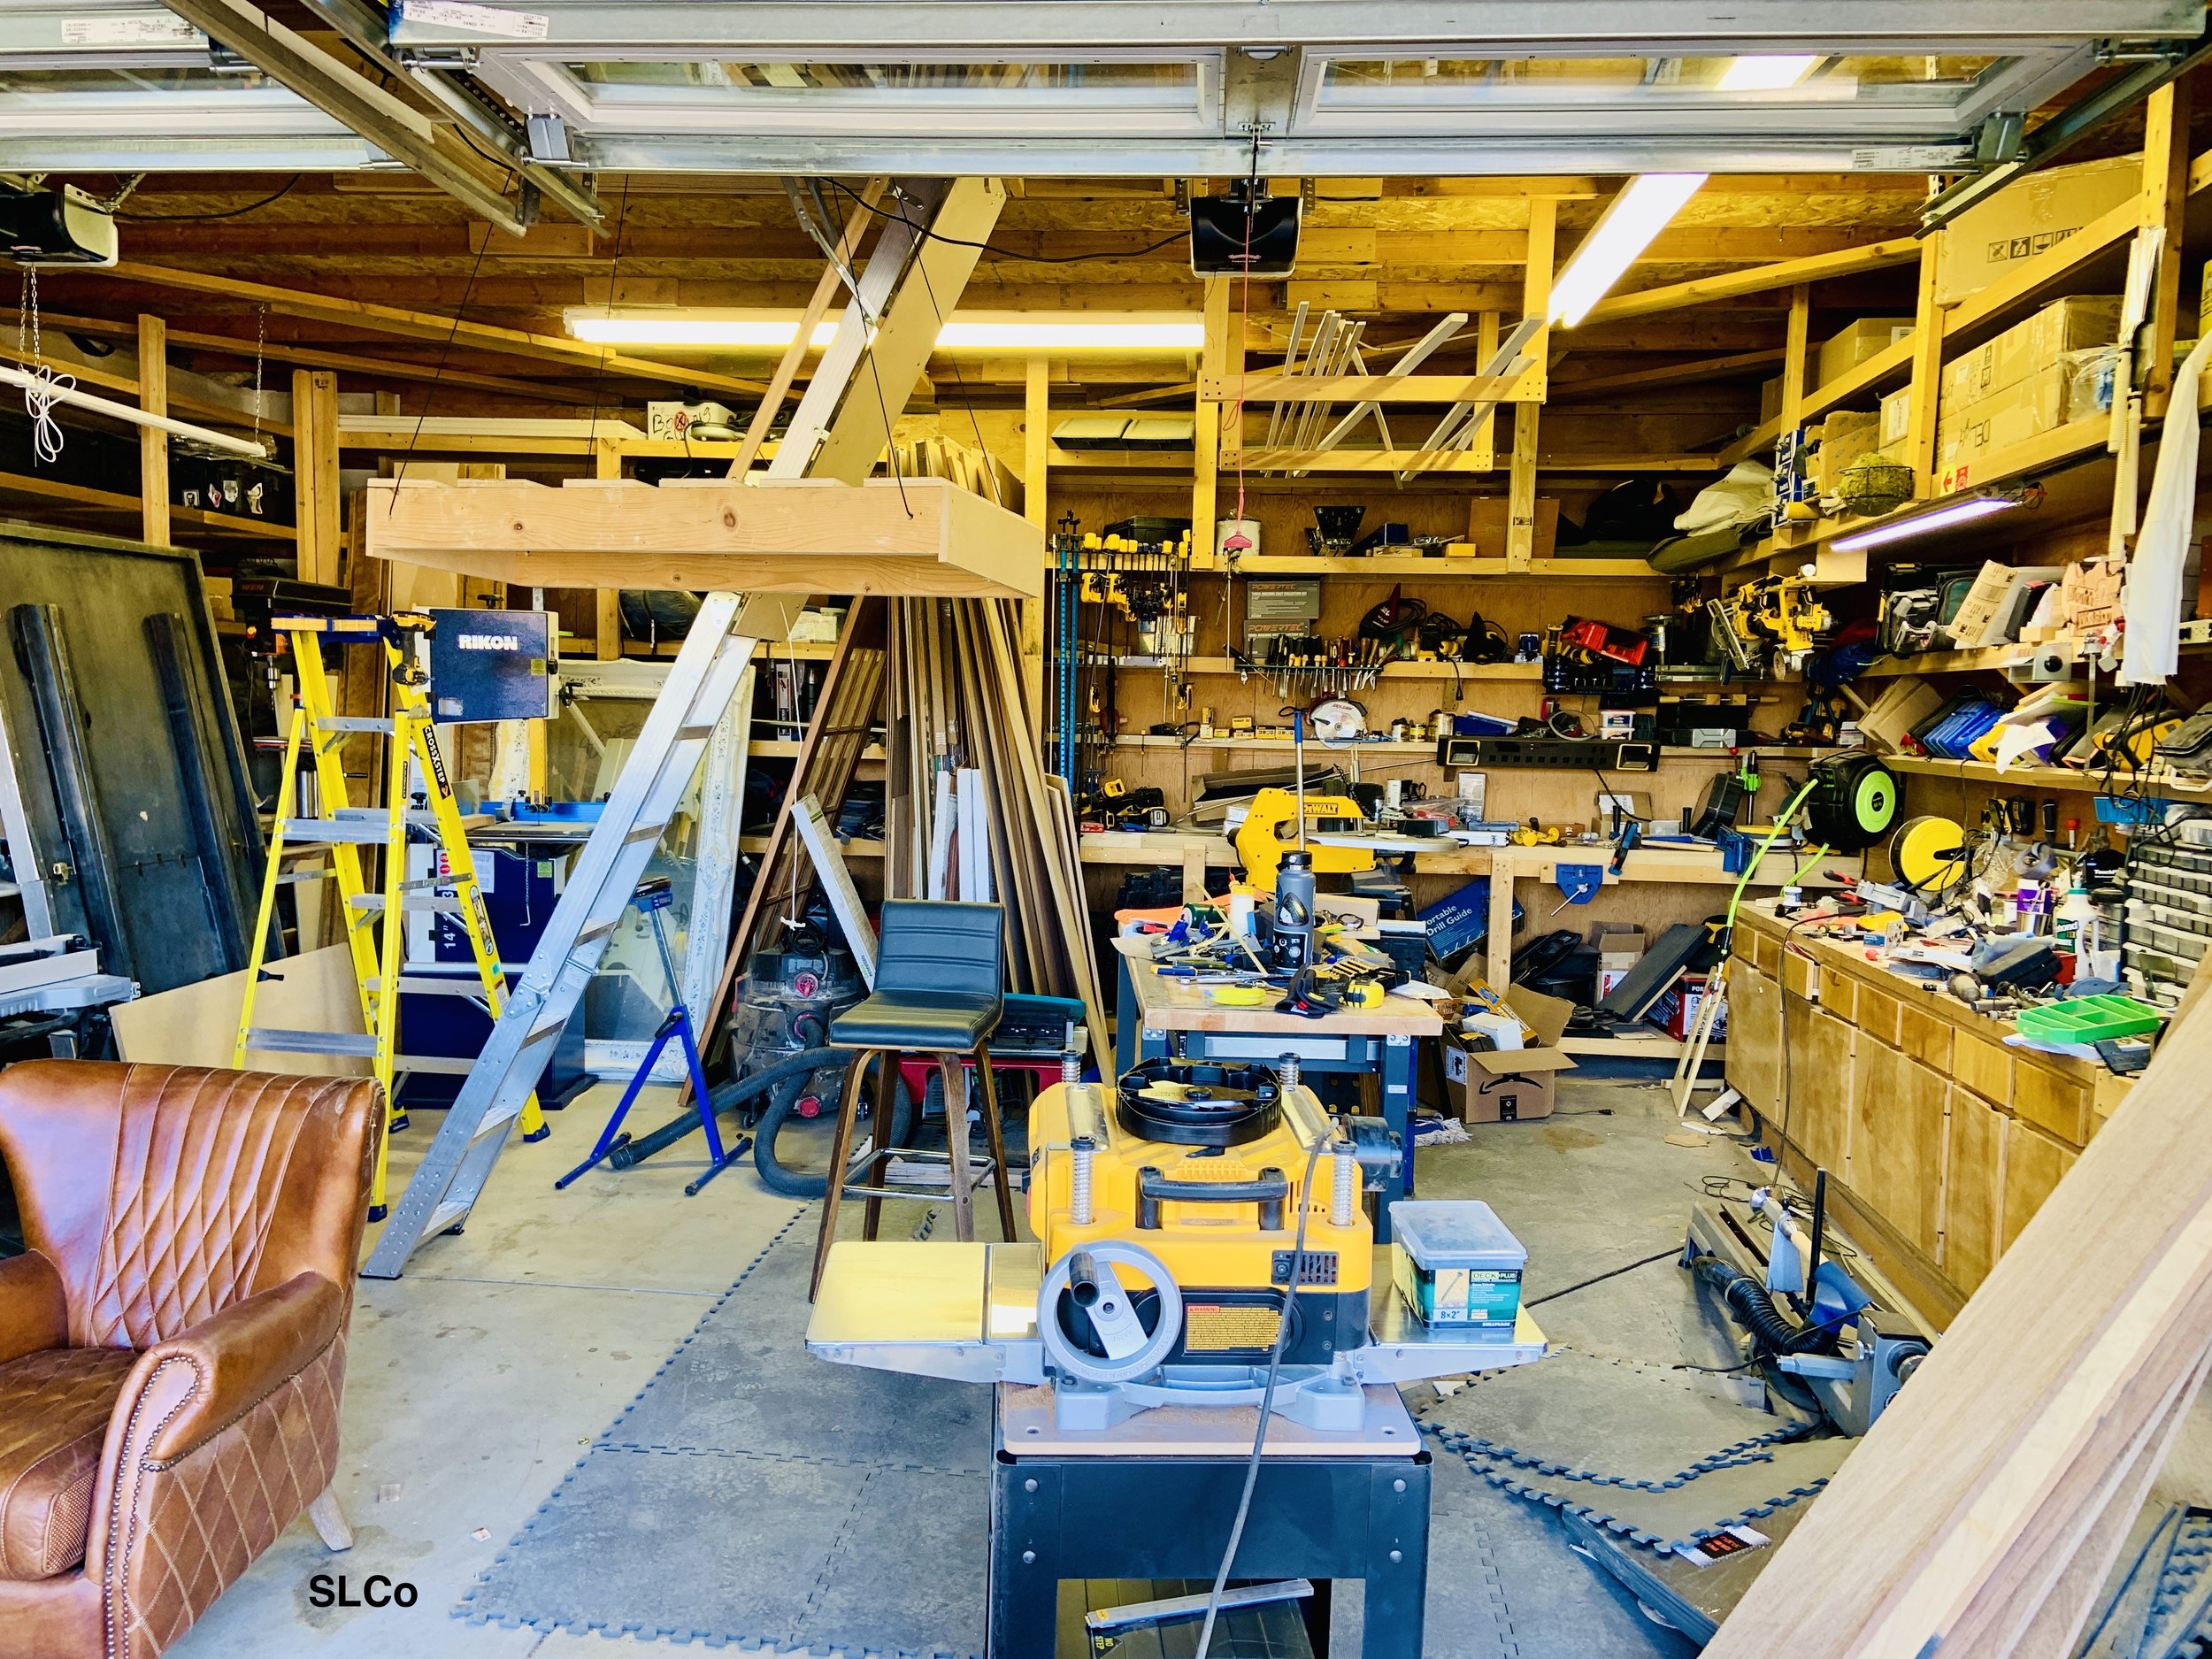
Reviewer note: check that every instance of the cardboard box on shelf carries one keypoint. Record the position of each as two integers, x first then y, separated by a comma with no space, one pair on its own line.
1896,416
1908,700
1868,337
2077,387
2028,216
1836,443
1676,1010
1982,617
2028,347
1488,1085
1620,944
1486,525
2089,595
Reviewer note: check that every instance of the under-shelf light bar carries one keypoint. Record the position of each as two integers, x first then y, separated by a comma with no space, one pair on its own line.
1943,517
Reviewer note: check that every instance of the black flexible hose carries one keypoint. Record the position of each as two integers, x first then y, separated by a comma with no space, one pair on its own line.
1747,1298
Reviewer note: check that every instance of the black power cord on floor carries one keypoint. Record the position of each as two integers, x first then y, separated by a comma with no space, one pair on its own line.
1672,1253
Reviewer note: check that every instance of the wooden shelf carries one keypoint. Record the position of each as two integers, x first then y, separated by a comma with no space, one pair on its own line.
1397,566
1660,1046
1281,740
2066,777
1390,671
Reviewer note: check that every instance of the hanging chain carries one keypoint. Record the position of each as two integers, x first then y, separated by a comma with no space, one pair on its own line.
260,345
38,394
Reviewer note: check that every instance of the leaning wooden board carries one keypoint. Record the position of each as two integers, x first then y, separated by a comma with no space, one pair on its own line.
919,535
1974,1517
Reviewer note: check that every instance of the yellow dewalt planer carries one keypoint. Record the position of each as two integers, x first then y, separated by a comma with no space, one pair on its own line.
1167,1212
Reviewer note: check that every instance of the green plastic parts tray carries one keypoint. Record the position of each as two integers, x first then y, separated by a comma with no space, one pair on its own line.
2088,1019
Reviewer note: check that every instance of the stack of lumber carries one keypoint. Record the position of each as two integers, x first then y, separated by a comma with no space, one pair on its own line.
968,809
961,740
1983,1513
972,469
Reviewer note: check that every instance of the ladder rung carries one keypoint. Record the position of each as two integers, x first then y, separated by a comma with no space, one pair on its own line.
444,1065
598,928
277,1039
443,906
352,832
429,984
706,729
353,722
644,833
444,1216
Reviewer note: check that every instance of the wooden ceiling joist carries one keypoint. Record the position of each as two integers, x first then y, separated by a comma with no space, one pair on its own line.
372,317
1759,280
286,352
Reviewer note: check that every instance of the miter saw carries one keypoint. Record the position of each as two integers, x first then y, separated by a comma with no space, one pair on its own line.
1167,1211
1775,621
1273,826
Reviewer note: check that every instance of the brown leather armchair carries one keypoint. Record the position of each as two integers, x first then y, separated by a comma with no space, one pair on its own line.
172,1342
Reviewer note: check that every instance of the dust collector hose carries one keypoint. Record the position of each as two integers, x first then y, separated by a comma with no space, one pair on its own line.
1747,1298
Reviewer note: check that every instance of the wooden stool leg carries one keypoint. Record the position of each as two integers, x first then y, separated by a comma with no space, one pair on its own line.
841,1149
995,1128
956,1148
880,1139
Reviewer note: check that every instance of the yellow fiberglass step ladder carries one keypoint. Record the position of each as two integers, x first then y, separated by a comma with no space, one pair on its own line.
374,921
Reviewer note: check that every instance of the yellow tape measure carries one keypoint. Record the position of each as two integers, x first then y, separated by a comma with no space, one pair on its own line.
1237,995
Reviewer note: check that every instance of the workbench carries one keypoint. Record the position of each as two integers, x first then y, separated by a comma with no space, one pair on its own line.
1939,1139
1690,866
1156,1017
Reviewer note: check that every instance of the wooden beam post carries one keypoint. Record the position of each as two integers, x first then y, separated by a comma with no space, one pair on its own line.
1213,420
1793,357
606,462
1036,447
315,474
1759,280
1927,371
1520,534
153,447
2165,200
1483,453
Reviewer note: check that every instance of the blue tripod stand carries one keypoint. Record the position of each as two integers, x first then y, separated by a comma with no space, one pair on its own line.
653,896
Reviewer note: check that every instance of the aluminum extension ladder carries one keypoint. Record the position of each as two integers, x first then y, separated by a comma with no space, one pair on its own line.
453,1171
374,921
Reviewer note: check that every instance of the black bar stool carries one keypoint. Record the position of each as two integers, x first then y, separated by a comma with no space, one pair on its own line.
940,973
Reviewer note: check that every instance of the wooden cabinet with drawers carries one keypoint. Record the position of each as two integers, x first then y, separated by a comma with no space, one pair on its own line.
1939,1140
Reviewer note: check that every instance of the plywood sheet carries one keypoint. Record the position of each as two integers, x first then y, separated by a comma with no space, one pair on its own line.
195,1025
1897,1131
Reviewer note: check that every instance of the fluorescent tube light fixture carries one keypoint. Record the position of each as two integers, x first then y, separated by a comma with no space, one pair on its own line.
1765,74
1943,517
1639,213
979,330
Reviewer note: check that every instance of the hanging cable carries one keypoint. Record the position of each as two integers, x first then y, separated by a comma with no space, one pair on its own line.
45,384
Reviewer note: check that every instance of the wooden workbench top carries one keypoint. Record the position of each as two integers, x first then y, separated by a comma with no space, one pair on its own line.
1178,1005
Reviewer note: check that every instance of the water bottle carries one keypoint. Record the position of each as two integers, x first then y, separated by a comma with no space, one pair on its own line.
1291,946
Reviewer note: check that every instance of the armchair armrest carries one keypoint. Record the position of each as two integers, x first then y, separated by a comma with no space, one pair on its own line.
33,1307
237,1358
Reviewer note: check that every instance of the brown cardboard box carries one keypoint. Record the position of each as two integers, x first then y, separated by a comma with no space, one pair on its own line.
1620,944
1909,701
1509,1084
2028,216
1972,432
1486,525
1868,337
1836,442
2089,595
1896,416
2030,347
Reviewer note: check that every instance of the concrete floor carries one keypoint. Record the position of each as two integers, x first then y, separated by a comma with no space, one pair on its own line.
476,1381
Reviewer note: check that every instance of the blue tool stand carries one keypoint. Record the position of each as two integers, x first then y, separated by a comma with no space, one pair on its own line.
653,896
1156,1500
1327,1048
